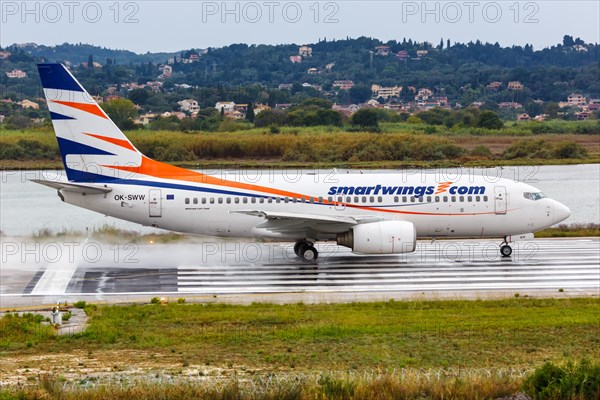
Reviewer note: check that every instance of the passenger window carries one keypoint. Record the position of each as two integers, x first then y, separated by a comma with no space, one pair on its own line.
453,199
253,200
261,200
330,199
437,199
396,199
236,200
229,200
320,199
348,199
477,198
195,200
204,200
356,200
445,199
212,200
485,198
412,199
270,200
470,199
429,199
461,198
421,198
364,199
277,200
220,200
372,199
245,200
404,199
187,200
380,199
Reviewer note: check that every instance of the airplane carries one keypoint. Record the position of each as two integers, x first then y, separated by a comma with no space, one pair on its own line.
368,213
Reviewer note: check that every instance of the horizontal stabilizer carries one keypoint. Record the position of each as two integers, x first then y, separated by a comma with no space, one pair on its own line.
83,188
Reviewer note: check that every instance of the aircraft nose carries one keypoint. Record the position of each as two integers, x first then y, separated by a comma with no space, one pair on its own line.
561,212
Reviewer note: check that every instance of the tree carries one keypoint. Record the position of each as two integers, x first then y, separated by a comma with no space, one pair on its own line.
489,120
366,117
139,96
270,117
568,41
121,111
359,93
552,109
250,113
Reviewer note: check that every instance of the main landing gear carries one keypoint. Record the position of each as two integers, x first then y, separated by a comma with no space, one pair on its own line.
505,249
306,251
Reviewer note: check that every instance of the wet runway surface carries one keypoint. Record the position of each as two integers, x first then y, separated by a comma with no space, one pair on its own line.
245,270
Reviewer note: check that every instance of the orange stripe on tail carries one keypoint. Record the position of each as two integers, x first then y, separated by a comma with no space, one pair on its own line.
89,108
118,142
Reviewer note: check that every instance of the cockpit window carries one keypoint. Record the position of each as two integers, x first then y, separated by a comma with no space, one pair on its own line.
534,196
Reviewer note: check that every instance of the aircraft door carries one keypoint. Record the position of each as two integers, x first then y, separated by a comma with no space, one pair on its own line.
155,203
500,200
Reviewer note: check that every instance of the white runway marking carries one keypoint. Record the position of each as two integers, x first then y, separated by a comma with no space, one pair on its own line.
435,267
58,275
470,268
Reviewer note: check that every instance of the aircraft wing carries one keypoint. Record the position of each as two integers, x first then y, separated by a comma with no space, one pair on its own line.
284,222
84,188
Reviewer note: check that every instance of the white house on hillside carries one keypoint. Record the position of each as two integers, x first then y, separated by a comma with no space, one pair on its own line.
189,105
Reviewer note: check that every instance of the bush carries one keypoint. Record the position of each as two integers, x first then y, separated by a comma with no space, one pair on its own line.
66,316
528,148
568,149
80,304
571,381
481,151
489,120
365,117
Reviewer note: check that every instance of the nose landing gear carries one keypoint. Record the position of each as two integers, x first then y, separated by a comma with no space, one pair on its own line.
505,249
306,251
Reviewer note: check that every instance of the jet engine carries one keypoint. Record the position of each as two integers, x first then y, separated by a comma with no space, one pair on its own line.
385,237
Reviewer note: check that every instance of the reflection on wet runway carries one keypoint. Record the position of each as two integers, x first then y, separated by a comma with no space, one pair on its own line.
245,268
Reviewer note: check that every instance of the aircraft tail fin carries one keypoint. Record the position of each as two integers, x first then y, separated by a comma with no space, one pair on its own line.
92,147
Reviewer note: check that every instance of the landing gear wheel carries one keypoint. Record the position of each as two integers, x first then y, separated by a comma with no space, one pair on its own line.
298,245
308,254
505,250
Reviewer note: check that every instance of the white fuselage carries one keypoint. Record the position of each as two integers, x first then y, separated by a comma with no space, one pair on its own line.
473,206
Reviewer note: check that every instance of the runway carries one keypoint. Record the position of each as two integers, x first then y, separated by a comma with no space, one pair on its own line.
246,271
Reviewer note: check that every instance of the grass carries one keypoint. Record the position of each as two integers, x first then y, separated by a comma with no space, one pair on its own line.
517,332
572,230
408,385
570,381
400,145
108,233
395,349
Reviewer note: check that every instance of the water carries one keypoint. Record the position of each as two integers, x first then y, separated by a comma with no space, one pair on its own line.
27,207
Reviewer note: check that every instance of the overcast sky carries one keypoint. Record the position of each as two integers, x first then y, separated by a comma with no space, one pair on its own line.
153,26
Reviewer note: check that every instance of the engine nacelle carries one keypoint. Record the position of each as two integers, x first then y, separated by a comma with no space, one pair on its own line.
385,237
